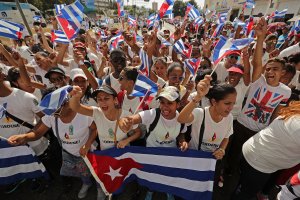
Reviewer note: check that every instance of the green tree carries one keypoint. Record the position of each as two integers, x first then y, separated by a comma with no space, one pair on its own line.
179,8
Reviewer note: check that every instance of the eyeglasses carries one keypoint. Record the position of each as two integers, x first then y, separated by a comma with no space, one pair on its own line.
174,78
58,79
235,57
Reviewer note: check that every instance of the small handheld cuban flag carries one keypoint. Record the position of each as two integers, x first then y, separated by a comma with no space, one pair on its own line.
58,7
169,12
37,18
143,85
132,21
192,12
192,64
146,63
116,40
54,100
280,14
222,17
11,30
151,19
217,31
249,4
59,36
164,7
120,4
295,29
181,49
198,22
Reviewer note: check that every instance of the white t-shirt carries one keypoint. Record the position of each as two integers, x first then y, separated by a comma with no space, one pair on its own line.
130,105
214,132
73,135
114,83
241,90
24,106
204,101
261,102
290,50
106,128
221,72
275,147
296,80
165,132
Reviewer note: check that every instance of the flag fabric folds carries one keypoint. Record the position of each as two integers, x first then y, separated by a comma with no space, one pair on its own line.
120,4
143,85
10,30
151,20
58,7
181,49
116,40
226,46
146,63
54,100
279,14
189,174
192,12
59,36
217,31
71,18
18,163
132,21
192,64
164,7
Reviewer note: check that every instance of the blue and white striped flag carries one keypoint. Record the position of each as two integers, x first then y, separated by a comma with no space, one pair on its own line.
189,174
280,14
10,30
198,22
143,85
59,37
180,48
131,21
37,18
192,64
146,63
58,7
54,100
2,110
169,12
192,12
18,163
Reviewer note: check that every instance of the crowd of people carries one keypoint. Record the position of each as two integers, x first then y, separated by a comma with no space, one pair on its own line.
245,110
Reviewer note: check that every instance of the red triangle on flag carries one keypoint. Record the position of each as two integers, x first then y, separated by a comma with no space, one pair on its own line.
66,27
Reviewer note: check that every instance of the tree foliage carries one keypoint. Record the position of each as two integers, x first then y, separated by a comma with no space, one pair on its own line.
194,3
179,8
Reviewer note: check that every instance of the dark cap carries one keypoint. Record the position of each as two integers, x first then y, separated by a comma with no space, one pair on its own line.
107,89
55,70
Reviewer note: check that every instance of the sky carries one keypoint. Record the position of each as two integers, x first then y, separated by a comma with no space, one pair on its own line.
149,4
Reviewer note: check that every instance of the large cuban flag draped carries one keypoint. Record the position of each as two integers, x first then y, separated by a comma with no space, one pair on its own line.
191,11
18,163
192,64
164,7
71,18
59,36
54,100
10,30
188,175
226,46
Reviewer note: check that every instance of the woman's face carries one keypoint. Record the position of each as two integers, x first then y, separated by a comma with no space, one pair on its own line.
125,84
57,79
160,69
42,62
234,78
175,77
81,82
136,61
224,106
168,108
106,102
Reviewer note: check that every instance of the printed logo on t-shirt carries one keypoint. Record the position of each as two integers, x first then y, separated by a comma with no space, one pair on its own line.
214,137
262,105
35,102
71,130
67,136
130,111
167,135
111,133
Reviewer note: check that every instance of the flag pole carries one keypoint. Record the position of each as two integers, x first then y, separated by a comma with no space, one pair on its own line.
4,138
141,102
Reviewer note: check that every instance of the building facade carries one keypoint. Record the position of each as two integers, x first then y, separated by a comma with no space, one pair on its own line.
102,4
154,6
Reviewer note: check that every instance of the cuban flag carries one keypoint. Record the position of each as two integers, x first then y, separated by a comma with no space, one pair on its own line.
151,20
192,64
131,21
71,18
279,14
165,43
116,40
102,34
18,163
198,22
217,31
207,11
58,7
146,63
37,18
143,85
138,38
189,174
237,22
226,46
222,17
54,100
120,4
11,30
164,7
251,34
106,20
181,49
295,28
169,12
249,4
192,12
59,36
249,25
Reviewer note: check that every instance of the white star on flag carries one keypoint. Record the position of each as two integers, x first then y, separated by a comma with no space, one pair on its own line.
70,27
114,173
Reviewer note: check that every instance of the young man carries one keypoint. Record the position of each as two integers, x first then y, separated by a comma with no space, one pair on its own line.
266,96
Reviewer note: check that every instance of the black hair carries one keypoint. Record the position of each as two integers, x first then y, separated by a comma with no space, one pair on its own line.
202,73
117,51
294,58
174,65
131,73
13,75
37,48
43,53
208,60
220,91
81,31
290,69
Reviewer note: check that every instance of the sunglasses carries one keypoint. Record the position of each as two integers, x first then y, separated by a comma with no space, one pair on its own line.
235,57
174,78
55,80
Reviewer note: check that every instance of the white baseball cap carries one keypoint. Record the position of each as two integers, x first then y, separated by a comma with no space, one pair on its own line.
171,93
77,73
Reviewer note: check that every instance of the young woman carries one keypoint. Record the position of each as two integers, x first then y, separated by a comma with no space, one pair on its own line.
215,121
164,132
72,131
274,148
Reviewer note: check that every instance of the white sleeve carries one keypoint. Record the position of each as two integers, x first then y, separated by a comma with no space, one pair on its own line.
33,102
47,120
147,116
198,116
230,128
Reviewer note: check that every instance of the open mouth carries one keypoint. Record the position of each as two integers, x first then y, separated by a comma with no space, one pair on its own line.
104,108
165,112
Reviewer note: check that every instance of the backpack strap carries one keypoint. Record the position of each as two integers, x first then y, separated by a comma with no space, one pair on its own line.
154,123
107,80
56,131
202,128
181,127
18,120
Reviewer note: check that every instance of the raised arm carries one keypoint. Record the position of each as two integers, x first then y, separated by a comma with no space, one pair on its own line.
260,30
186,115
45,42
61,53
246,62
75,105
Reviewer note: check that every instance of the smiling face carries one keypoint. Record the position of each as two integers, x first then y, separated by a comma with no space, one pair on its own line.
160,69
175,77
81,82
234,78
168,108
273,72
224,106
